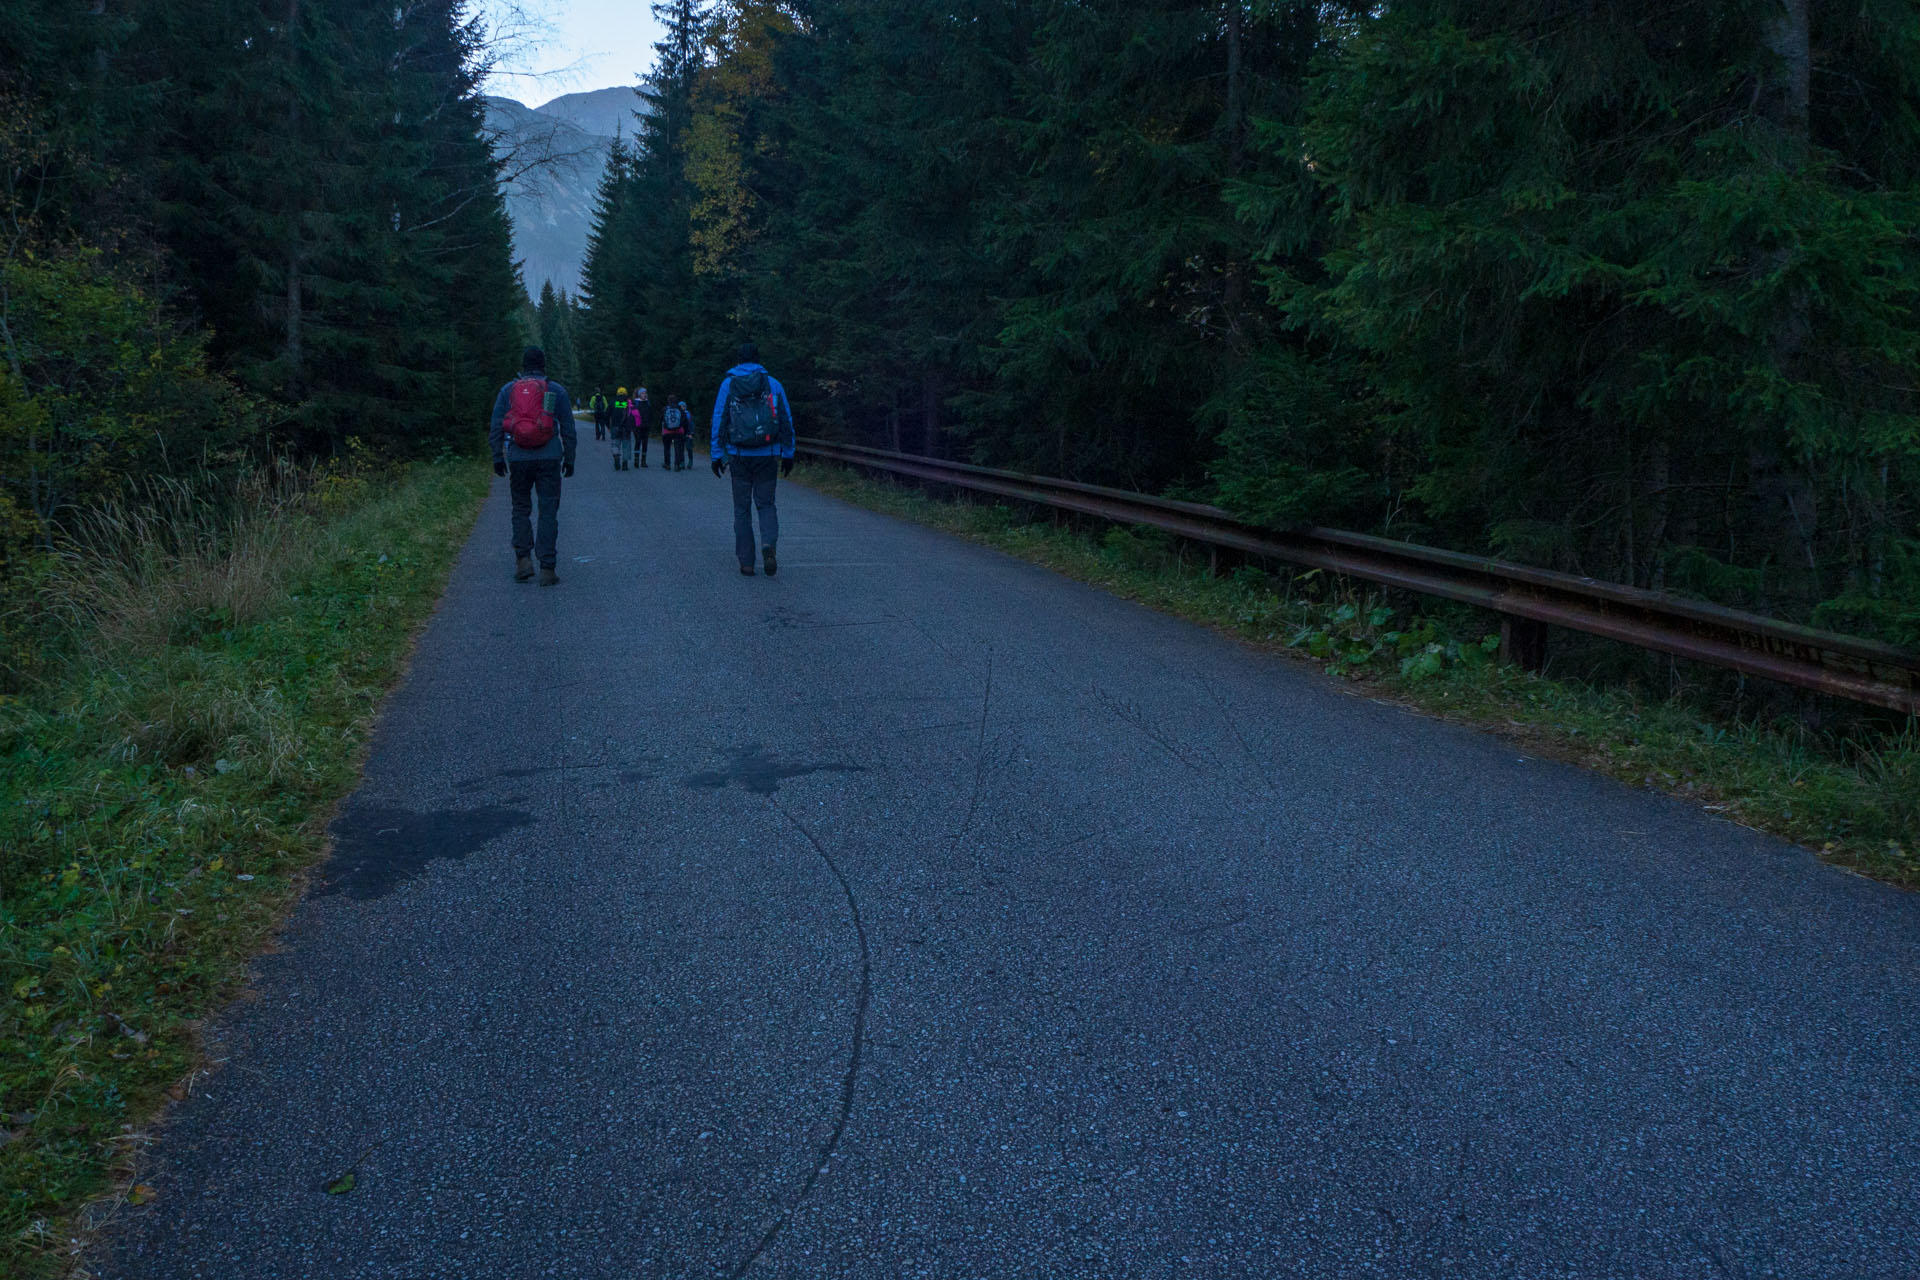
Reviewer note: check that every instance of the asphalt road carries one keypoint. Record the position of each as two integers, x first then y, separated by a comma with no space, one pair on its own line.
921,913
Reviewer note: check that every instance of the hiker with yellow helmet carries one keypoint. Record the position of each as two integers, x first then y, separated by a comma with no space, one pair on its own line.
622,428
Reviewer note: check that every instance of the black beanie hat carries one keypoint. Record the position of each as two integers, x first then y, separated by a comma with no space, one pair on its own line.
749,352
533,359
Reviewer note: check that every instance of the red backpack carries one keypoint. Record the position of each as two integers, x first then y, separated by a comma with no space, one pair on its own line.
529,421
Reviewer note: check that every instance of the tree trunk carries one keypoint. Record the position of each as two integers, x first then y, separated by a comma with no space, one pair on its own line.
930,424
102,58
1631,507
1660,504
1236,23
295,352
1233,287
1789,93
1782,483
1879,535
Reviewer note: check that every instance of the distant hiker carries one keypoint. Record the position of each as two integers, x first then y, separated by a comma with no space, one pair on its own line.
676,424
533,443
622,429
644,417
753,433
602,408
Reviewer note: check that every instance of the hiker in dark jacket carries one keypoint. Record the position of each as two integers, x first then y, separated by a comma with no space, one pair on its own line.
753,434
645,418
602,410
676,424
536,469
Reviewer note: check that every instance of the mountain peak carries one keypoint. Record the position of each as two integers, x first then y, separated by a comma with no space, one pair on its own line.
554,156
605,112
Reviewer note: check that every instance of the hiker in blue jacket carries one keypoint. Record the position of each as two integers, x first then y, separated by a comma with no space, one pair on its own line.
753,434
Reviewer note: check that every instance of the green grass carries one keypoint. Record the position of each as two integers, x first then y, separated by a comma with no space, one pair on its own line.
165,783
1854,797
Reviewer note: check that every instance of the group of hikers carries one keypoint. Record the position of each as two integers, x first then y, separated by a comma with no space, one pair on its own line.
533,441
630,423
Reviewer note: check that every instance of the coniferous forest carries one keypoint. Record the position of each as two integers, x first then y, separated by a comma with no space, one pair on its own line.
1623,288
234,230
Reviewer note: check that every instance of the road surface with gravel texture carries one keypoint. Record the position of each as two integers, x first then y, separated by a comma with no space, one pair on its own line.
921,913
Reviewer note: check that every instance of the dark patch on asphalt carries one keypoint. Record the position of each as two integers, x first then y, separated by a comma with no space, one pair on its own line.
486,781
786,618
377,850
636,772
752,769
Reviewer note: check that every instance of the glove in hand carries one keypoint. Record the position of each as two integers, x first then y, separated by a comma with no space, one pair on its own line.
719,467
566,471
786,467
499,466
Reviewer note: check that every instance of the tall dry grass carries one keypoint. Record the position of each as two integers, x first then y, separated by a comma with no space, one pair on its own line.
135,585
175,557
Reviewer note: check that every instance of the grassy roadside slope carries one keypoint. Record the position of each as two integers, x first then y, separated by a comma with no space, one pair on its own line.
163,790
1855,801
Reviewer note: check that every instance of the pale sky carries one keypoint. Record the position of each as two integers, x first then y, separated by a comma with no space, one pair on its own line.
551,47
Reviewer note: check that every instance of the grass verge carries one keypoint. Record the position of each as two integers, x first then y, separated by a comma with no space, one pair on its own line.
1854,797
166,782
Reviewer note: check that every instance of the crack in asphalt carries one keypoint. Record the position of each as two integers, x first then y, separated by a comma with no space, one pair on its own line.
1261,768
858,1041
1131,713
979,760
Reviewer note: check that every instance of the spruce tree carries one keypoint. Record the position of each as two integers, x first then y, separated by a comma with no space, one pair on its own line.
554,320
1634,297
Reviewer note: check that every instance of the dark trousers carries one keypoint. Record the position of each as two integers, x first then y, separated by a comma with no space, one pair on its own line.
673,450
600,424
524,479
753,480
640,442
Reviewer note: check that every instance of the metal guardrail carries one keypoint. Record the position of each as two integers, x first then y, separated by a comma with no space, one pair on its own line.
1826,661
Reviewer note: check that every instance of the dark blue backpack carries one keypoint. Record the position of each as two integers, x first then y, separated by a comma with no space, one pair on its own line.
751,417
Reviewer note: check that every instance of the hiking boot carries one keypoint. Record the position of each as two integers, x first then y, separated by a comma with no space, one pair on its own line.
522,568
548,577
766,557
746,571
